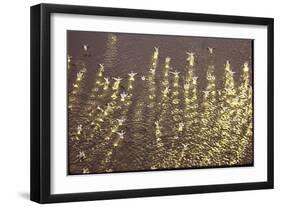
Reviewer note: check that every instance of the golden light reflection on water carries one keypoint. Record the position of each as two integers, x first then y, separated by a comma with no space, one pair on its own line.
167,125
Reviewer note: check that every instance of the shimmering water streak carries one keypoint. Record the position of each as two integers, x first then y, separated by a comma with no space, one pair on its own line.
191,116
208,129
209,103
180,141
160,131
227,104
96,133
93,117
242,121
177,121
117,128
152,104
76,86
91,108
73,99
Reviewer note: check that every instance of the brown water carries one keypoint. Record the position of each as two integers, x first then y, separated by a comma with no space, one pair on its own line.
139,149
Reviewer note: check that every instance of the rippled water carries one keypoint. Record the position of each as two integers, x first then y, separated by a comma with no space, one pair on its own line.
95,143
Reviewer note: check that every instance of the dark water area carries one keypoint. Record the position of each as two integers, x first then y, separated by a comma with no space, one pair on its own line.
132,52
122,53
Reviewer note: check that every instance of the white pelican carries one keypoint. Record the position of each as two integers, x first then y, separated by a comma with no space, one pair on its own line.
157,124
211,50
191,58
86,170
118,79
79,76
156,52
85,47
81,155
106,83
121,121
101,67
167,60
181,125
132,75
206,93
246,67
152,71
123,95
194,79
176,73
69,58
186,86
211,77
79,129
106,79
166,91
227,65
116,83
121,134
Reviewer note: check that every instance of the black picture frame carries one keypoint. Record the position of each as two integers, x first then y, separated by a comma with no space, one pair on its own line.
41,95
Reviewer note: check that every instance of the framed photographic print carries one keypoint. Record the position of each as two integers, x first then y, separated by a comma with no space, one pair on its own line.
133,103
